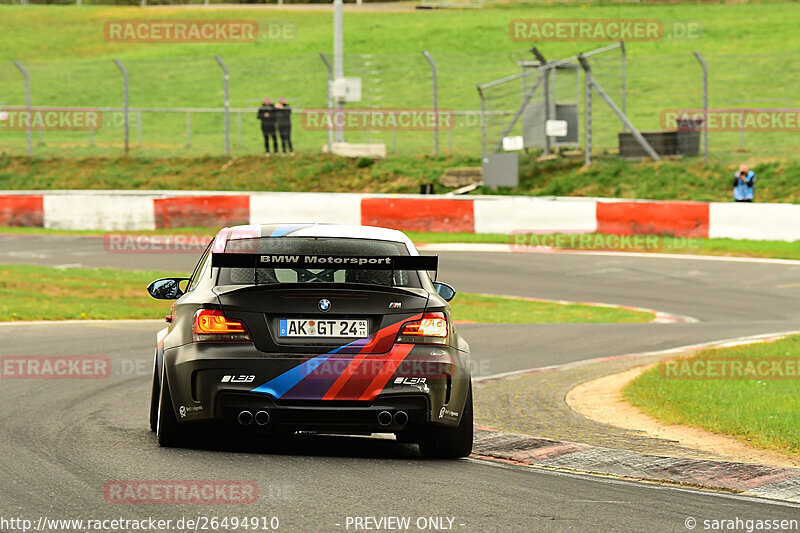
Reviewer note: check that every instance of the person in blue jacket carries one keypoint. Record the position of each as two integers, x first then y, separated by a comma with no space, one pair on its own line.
743,183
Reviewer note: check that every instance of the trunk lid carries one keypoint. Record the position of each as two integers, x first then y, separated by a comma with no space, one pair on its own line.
267,309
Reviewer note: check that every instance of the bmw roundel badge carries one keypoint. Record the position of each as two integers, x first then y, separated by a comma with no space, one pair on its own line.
324,304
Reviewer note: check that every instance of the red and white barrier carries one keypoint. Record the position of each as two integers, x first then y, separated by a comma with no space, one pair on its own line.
142,210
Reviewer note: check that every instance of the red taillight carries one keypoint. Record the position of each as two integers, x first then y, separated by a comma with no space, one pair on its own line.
430,329
212,325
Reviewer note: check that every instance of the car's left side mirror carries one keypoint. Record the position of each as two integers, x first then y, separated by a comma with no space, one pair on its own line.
167,288
444,290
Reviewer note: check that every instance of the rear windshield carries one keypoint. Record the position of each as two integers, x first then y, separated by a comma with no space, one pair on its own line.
316,246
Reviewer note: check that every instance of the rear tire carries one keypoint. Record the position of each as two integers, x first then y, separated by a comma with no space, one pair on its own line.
450,443
154,397
168,430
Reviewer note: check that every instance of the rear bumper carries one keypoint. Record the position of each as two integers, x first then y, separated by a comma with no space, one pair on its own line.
338,393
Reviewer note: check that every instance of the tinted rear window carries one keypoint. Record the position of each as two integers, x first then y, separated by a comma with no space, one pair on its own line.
316,246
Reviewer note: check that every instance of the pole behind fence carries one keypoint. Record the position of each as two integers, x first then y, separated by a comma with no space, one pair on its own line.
338,57
124,101
225,79
624,81
239,124
483,122
435,103
587,117
330,101
705,105
188,130
29,133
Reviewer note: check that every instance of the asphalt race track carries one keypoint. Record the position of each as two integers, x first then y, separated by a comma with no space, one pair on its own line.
62,440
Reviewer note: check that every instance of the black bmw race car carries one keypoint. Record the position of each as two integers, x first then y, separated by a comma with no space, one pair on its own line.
313,328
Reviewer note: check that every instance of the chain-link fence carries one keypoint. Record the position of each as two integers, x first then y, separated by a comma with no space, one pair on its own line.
750,101
176,105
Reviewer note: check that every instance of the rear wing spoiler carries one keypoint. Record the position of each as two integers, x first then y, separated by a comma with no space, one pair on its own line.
337,262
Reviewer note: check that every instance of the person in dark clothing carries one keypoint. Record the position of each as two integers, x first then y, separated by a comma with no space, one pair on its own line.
284,121
267,115
744,183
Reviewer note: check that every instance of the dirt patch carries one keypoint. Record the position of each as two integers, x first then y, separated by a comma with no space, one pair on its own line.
601,400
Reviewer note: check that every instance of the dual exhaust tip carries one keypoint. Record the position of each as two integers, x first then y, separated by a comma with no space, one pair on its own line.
385,418
246,418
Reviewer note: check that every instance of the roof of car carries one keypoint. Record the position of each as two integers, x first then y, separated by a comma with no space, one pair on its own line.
343,231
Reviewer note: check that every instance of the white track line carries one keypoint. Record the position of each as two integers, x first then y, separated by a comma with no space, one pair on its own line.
508,248
736,341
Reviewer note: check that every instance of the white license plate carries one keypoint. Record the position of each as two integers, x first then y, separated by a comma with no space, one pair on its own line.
312,327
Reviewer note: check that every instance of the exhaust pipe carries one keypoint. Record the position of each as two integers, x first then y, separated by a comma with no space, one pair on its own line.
245,418
262,418
401,418
384,418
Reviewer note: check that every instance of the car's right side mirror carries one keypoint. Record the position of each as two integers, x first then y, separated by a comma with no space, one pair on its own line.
444,290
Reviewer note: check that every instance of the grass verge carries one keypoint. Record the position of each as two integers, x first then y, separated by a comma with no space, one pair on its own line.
498,309
688,179
46,293
764,412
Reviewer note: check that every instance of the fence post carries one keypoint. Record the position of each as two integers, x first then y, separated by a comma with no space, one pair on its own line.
27,104
139,128
546,79
587,117
624,82
636,134
338,57
239,123
435,103
188,130
483,122
124,101
330,101
705,105
227,105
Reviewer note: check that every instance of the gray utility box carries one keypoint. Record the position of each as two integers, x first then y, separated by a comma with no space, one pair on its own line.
533,125
665,143
501,170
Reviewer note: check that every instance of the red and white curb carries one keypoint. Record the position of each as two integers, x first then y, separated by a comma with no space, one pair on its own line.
779,483
143,210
